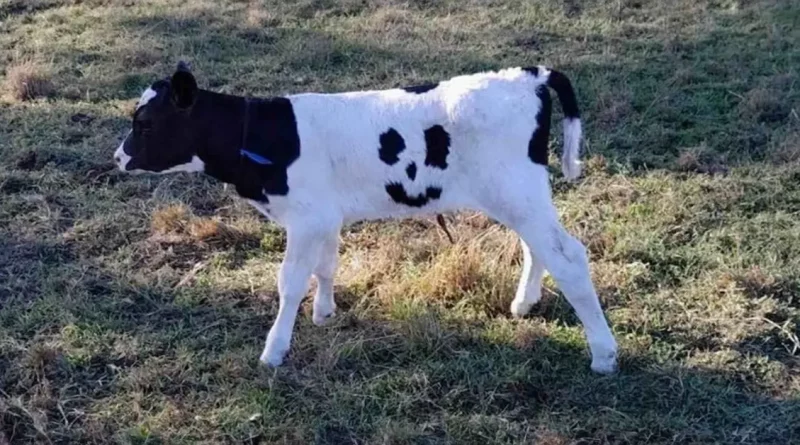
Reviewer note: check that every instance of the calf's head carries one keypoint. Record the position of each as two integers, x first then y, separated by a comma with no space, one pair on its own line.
164,137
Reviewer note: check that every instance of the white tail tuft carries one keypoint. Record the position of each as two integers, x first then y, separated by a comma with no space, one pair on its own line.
570,163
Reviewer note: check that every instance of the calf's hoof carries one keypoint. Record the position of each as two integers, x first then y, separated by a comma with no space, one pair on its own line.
605,364
324,317
273,357
520,309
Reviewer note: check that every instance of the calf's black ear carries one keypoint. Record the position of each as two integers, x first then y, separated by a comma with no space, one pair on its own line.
183,86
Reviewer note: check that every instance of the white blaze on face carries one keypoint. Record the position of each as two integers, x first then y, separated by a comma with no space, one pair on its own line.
147,96
120,157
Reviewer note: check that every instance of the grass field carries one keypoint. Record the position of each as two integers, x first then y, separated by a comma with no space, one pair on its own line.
133,309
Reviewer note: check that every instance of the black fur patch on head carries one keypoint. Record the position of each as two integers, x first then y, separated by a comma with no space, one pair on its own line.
392,144
411,170
537,146
437,143
420,89
157,140
400,196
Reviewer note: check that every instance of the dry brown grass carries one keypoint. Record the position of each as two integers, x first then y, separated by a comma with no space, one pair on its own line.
526,336
450,274
258,17
216,232
27,81
170,219
142,57
701,160
551,438
177,223
39,360
483,264
688,161
595,165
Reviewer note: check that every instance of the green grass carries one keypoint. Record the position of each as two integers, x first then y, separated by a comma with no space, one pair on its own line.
133,309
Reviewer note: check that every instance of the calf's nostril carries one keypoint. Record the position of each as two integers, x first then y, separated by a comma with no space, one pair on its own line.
117,159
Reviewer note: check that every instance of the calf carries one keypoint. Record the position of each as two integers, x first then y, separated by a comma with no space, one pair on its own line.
313,162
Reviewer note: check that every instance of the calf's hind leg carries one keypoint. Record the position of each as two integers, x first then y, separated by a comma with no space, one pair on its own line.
534,218
566,260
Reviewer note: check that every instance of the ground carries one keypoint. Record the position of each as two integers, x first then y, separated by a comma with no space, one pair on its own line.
133,308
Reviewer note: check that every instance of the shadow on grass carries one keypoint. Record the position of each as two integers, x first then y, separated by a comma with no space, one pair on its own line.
91,349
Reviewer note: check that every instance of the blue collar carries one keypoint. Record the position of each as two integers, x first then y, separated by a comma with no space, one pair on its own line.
257,158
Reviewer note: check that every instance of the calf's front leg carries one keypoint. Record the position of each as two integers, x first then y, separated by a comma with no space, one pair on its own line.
303,248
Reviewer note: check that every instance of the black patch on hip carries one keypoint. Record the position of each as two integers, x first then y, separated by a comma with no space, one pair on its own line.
392,144
400,196
537,146
437,143
411,170
420,89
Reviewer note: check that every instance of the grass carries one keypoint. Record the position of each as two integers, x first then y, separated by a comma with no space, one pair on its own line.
133,309
27,81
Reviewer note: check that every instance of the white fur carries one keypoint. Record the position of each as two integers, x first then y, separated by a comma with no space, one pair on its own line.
529,289
195,165
120,157
570,163
147,96
339,178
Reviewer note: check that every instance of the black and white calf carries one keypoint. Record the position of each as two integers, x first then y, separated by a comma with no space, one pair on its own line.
313,162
